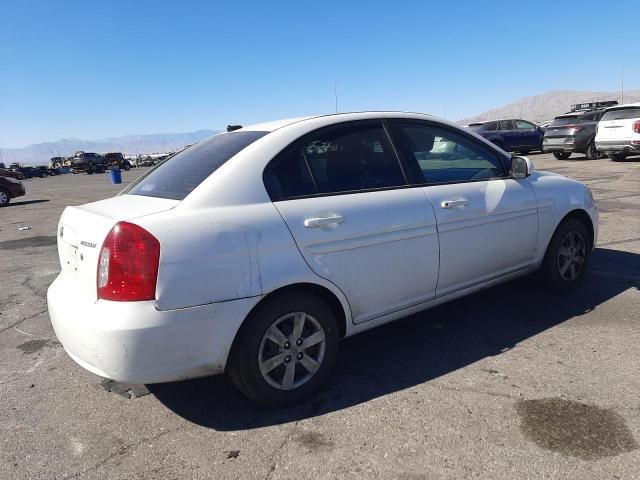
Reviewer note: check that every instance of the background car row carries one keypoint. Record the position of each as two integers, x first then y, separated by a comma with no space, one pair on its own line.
595,129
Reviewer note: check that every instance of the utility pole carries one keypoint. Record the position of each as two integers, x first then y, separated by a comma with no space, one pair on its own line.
622,85
335,93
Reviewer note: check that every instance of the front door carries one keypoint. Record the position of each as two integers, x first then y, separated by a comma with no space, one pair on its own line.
529,135
344,196
487,222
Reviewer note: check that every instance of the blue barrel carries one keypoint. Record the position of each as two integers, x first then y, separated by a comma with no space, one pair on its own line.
116,175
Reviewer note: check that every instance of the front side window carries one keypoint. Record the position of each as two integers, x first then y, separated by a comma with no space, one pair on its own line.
335,160
522,125
178,176
446,156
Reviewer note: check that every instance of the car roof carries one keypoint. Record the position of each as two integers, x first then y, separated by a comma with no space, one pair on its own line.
333,118
626,105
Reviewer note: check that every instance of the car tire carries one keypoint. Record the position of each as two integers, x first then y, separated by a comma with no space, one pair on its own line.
259,363
5,198
617,157
592,152
562,155
567,256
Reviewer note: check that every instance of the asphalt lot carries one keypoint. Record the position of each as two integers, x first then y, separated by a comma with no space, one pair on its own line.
513,382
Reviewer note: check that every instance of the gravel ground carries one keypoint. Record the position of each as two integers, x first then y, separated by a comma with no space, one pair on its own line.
513,382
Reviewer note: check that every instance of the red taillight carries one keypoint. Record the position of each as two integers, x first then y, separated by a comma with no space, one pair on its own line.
128,264
636,126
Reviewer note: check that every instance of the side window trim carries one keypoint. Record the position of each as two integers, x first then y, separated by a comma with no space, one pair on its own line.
410,159
299,142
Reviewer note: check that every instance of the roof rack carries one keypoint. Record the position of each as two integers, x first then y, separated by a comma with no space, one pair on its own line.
583,107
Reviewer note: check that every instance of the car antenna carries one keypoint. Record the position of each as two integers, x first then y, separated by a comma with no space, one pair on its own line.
231,128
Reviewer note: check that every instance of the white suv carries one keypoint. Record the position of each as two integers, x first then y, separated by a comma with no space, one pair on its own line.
255,251
618,132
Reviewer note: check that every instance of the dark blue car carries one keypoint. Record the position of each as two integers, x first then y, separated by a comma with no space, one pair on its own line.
513,135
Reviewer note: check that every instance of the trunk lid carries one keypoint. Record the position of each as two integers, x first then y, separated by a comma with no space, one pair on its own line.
82,230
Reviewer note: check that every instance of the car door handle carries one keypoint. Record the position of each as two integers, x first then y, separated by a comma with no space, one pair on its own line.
323,221
454,203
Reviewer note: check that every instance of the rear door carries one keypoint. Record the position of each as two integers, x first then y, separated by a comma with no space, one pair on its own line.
487,221
344,196
509,134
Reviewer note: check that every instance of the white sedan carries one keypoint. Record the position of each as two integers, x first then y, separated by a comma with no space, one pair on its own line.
255,251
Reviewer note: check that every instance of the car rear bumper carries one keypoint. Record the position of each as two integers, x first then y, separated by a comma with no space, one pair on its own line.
568,144
134,342
627,146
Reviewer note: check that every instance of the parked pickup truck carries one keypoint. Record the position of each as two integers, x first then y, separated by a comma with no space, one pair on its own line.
88,162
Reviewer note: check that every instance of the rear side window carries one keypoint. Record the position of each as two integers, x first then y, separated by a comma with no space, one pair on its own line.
621,114
181,174
506,125
335,160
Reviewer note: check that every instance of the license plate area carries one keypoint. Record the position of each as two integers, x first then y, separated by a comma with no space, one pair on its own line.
71,258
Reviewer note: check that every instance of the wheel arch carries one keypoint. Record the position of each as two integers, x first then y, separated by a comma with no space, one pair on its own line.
338,306
582,216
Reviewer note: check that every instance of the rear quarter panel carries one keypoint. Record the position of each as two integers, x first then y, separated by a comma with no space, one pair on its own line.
218,254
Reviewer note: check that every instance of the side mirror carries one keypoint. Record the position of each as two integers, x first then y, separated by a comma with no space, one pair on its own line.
521,167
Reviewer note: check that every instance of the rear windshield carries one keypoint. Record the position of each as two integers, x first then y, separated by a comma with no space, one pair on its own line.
178,176
621,114
562,121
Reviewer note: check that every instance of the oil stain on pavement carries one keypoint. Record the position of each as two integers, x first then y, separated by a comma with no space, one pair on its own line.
39,241
32,346
575,429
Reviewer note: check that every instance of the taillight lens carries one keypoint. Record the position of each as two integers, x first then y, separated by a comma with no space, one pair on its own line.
636,126
128,264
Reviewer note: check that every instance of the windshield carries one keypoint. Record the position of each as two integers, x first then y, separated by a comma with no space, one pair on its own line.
179,175
621,114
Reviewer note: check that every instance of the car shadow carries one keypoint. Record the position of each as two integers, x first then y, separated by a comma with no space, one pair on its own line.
416,349
25,202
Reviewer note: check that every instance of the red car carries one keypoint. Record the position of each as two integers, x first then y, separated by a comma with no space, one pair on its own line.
10,173
10,188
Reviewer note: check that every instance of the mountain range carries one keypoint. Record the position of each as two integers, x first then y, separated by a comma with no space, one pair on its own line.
40,153
536,108
546,106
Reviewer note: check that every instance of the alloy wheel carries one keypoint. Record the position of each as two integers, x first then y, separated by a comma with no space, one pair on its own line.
4,198
291,351
571,256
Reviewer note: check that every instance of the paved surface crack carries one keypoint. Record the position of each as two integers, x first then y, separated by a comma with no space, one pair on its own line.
23,320
122,451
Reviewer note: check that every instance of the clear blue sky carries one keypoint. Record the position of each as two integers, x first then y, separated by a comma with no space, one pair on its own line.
95,69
